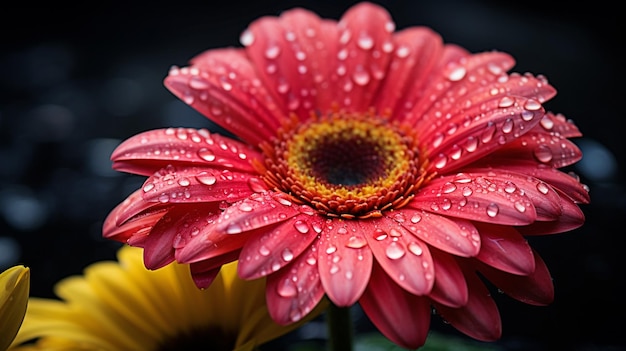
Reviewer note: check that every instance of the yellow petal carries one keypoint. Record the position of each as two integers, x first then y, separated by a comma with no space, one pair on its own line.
14,290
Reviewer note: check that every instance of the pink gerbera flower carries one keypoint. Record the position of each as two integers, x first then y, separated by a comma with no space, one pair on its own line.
374,166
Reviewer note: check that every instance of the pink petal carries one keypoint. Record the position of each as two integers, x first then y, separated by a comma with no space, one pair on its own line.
450,288
479,318
132,231
479,130
568,185
204,272
132,207
405,258
484,197
455,78
534,289
179,224
503,248
345,262
453,236
276,247
196,185
558,124
258,211
147,152
550,149
222,85
294,291
362,56
417,51
292,54
399,315
572,218
544,197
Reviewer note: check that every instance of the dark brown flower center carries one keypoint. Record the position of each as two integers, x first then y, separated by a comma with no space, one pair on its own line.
345,165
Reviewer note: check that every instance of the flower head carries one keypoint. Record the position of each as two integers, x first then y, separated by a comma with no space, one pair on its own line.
123,306
372,165
15,286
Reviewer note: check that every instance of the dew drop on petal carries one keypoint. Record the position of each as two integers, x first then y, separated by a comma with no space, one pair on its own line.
245,207
234,228
543,153
164,198
148,187
416,218
520,206
246,38
457,74
331,249
206,154
206,178
492,210
507,126
356,242
264,251
287,255
301,226
272,52
532,105
256,185
395,250
184,182
415,248
506,102
543,188
287,288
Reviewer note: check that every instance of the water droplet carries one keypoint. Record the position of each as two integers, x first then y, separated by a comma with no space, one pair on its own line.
301,226
148,187
246,38
206,178
543,153
543,188
487,134
286,288
492,210
206,154
264,251
510,187
287,255
532,105
256,185
416,218
507,126
415,248
245,207
395,250
520,206
467,191
457,74
365,42
356,242
361,77
380,235
164,198
198,83
233,228
403,51
331,249
183,182
272,52
441,161
506,101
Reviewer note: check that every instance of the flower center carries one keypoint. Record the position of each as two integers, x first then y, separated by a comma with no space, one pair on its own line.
345,165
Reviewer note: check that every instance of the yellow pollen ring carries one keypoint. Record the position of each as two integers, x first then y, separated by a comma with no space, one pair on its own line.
345,165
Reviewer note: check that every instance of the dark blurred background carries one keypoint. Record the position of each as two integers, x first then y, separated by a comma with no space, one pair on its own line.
75,81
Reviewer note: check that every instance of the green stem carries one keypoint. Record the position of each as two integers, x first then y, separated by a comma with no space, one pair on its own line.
340,332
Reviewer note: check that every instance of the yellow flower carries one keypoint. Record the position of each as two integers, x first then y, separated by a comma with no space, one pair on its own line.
123,306
14,285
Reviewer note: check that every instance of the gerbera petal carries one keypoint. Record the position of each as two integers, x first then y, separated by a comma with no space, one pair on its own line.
405,258
178,225
452,78
551,149
450,288
292,54
293,292
483,197
544,197
534,289
117,226
479,130
557,123
479,318
399,315
417,51
454,236
132,207
572,218
568,184
222,85
503,248
276,247
204,272
345,262
150,151
194,185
